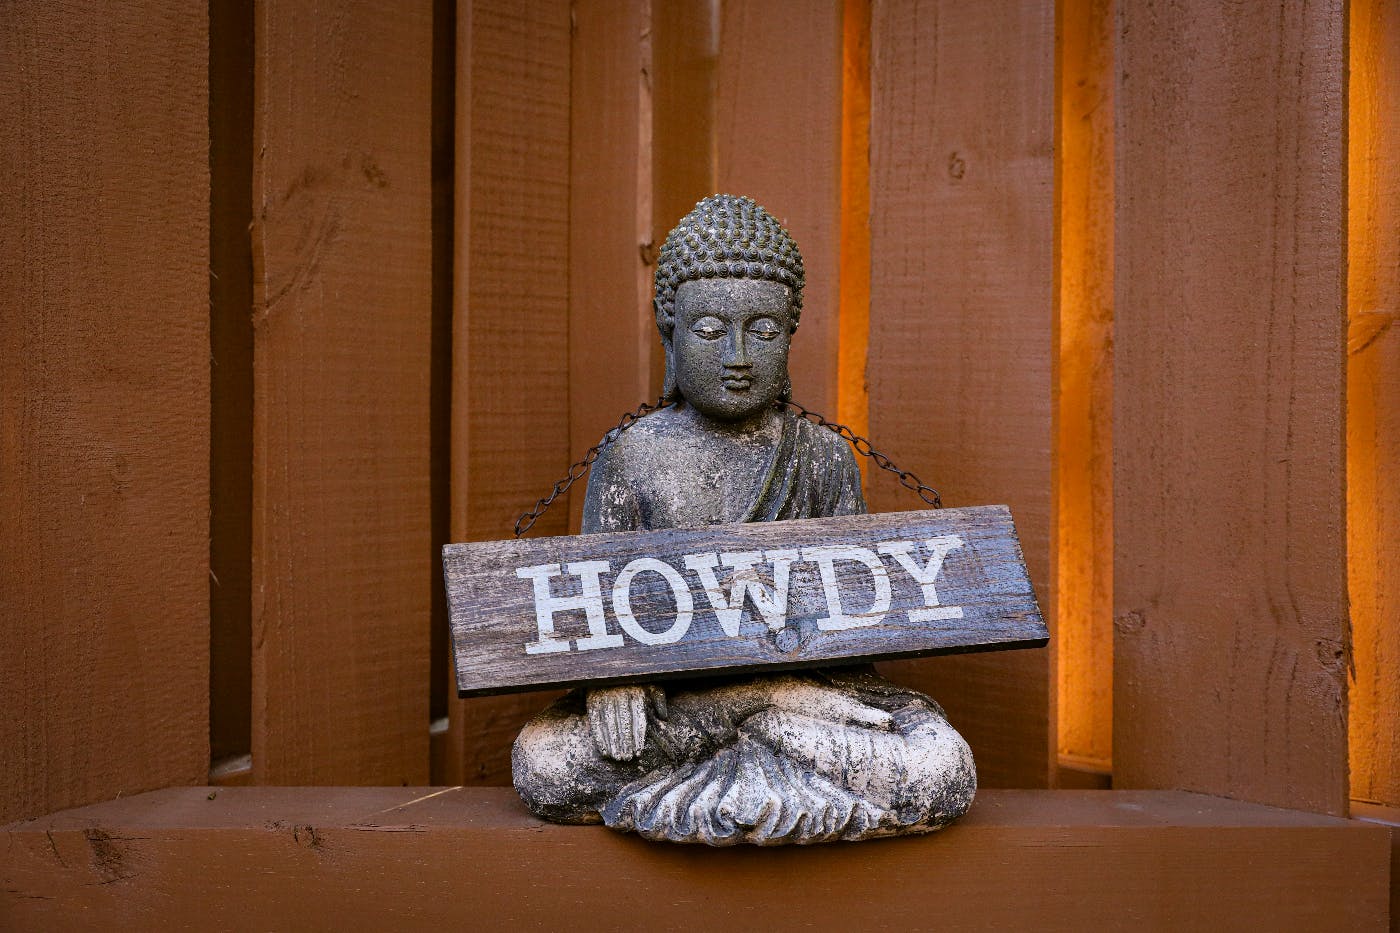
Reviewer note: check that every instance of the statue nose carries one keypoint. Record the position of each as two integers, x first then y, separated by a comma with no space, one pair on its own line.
738,355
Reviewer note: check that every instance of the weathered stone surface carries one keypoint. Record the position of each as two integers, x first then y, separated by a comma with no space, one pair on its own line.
794,758
800,758
674,470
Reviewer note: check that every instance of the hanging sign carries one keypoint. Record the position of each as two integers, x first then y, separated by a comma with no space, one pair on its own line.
636,606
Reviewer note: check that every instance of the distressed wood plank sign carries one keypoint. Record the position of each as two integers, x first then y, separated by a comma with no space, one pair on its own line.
635,606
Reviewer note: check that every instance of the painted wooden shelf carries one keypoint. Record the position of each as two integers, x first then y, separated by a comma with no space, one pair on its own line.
405,858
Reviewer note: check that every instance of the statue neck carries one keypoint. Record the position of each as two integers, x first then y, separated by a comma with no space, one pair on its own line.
742,427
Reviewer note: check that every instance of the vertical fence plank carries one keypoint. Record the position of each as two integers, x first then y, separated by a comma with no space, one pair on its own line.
961,312
510,401
104,424
1373,399
342,537
853,350
1082,559
611,326
1230,584
778,126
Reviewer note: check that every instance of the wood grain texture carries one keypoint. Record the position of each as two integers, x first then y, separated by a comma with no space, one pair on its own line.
449,858
778,129
852,394
961,314
1082,556
510,395
1229,577
342,569
1373,398
104,401
611,327
507,636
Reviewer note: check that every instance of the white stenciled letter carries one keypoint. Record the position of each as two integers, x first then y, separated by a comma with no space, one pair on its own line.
925,576
589,599
825,559
744,582
622,602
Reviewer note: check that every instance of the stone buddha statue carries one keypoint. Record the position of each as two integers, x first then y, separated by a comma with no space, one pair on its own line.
820,755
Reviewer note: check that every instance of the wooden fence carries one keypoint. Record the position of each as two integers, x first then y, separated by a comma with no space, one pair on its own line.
292,294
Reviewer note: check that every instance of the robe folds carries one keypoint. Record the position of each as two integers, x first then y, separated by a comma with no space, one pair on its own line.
802,757
795,469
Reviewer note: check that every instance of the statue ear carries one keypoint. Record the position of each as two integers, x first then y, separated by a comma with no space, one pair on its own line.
664,321
670,390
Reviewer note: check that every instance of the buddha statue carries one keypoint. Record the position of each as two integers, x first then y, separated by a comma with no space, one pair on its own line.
819,755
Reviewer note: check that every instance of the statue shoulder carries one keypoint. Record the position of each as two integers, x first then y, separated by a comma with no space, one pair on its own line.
614,498
840,482
636,448
647,430
824,441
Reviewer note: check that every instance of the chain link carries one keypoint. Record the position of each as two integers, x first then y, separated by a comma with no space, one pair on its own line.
579,470
863,447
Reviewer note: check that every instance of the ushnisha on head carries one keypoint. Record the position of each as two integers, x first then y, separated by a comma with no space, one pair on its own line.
728,299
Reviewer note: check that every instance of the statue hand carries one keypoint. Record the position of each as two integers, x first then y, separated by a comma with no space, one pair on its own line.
617,719
796,696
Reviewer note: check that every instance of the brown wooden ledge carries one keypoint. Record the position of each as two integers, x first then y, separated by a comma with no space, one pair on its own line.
472,858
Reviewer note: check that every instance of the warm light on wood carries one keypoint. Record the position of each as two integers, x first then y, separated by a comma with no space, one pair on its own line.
852,396
1083,511
1373,400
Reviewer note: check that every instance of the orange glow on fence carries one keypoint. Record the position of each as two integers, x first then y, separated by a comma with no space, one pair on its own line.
1083,472
1373,399
852,398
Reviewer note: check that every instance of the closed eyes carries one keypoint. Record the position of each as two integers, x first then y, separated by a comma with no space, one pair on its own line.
712,328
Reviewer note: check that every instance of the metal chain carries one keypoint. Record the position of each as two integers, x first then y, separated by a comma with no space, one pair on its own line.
863,446
579,470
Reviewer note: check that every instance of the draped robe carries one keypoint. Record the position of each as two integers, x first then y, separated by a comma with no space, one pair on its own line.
766,759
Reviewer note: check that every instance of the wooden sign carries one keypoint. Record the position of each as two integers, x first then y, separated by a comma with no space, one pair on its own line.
636,606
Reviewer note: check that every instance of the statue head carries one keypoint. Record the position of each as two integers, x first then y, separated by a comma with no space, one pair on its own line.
728,299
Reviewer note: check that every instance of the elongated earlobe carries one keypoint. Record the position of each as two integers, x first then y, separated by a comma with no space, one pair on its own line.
670,390
663,319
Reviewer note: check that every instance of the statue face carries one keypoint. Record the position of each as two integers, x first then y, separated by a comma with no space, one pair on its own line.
730,344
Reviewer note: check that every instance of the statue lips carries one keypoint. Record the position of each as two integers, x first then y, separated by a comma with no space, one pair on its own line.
737,383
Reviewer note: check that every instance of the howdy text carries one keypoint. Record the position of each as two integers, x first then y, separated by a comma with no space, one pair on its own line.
744,583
